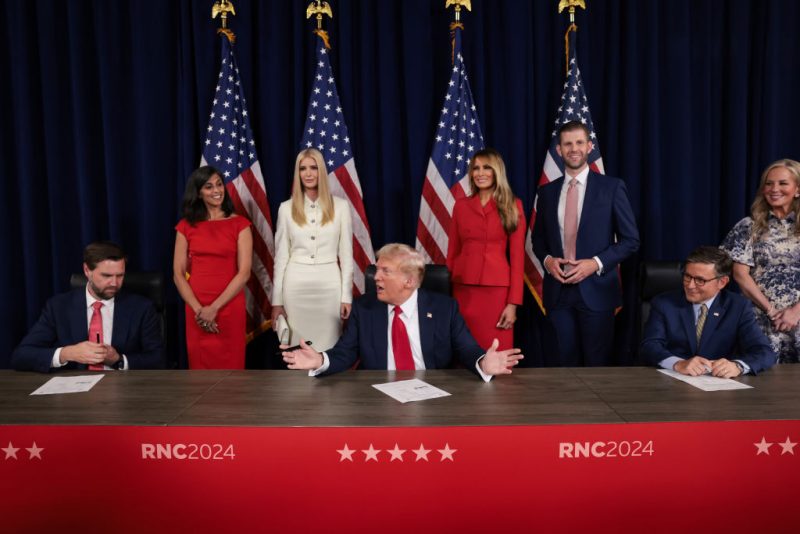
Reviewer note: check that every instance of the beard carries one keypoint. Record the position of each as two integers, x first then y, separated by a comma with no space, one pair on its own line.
106,294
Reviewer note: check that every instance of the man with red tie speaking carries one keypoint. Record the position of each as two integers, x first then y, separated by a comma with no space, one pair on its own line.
403,327
94,327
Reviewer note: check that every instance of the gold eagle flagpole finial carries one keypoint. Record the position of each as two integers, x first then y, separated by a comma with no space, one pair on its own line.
458,3
319,8
222,8
456,23
571,4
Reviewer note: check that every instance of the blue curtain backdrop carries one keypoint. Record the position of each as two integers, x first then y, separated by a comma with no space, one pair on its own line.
104,106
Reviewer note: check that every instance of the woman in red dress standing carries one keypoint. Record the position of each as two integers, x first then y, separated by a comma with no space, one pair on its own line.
485,252
213,254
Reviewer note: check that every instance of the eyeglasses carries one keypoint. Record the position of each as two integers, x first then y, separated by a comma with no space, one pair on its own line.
699,282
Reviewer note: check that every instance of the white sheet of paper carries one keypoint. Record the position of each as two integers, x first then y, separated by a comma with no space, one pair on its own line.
68,384
411,390
707,382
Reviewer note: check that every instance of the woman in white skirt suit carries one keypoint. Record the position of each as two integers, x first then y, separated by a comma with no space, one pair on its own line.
311,289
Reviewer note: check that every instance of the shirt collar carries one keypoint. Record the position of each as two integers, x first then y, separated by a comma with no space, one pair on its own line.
409,307
91,300
708,303
790,218
582,177
307,202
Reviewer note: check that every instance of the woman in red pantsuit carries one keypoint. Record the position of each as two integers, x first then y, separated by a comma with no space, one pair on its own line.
485,252
214,247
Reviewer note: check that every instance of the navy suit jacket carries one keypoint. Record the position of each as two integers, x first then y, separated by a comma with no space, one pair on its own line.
442,332
606,213
730,331
136,333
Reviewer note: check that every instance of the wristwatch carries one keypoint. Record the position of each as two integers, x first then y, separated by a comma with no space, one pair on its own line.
740,366
120,364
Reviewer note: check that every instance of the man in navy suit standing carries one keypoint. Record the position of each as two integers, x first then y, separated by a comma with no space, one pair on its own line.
704,329
404,327
94,327
584,229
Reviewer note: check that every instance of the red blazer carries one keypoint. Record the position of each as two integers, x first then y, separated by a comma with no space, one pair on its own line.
479,249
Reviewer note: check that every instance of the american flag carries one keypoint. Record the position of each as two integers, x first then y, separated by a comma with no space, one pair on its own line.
230,147
574,106
458,136
326,131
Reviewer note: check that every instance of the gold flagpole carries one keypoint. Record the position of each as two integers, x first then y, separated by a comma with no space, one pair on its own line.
457,22
319,8
571,4
222,8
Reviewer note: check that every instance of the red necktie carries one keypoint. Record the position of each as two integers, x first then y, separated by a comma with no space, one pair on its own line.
96,330
571,221
400,344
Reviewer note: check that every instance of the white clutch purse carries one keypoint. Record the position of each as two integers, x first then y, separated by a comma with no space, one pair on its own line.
283,330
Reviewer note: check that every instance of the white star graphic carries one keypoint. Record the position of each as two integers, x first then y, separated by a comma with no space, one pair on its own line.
34,451
346,453
787,446
371,453
447,453
11,451
763,446
397,453
422,452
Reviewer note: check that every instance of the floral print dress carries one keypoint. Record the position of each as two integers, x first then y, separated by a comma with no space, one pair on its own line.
774,260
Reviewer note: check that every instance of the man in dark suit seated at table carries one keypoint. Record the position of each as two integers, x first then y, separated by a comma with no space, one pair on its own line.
705,329
95,327
403,327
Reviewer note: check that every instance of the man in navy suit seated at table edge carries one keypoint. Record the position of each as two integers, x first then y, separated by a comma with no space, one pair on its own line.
705,329
95,327
403,327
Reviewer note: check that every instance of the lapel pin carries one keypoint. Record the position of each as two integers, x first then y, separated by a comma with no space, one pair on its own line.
429,315
716,314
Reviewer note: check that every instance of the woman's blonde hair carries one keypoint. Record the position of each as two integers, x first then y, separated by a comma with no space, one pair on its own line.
760,209
324,198
503,196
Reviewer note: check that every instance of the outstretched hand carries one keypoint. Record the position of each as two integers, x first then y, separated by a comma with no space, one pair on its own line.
500,362
303,358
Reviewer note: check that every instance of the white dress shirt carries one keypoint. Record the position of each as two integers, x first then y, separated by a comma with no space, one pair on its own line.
107,316
582,178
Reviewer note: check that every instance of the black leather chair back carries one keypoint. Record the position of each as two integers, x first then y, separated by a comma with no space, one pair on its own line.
437,279
656,277
147,284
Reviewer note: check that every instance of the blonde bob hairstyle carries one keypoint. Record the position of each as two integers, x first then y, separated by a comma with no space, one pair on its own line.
760,209
503,196
324,199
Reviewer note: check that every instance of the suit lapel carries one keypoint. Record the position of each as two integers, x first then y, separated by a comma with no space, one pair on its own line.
687,318
427,328
715,315
79,328
555,193
121,323
379,332
588,202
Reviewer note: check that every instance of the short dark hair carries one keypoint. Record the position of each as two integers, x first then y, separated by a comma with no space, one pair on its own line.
99,251
194,209
572,126
723,264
